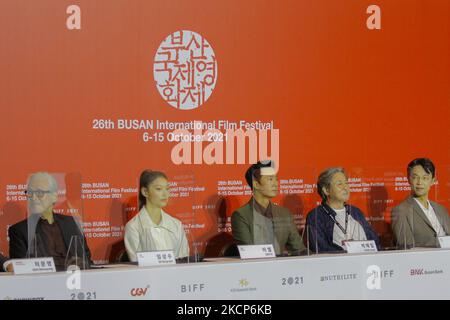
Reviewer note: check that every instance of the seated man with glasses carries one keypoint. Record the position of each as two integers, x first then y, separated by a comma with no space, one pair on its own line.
334,221
45,233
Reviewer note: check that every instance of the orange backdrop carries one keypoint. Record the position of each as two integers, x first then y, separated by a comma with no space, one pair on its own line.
338,92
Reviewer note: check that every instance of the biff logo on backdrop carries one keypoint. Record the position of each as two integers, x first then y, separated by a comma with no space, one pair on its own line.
185,70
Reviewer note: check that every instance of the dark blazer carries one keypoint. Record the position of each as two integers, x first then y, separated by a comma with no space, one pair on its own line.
18,238
284,228
320,228
411,226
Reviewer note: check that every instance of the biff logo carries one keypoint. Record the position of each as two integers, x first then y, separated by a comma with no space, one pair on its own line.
185,70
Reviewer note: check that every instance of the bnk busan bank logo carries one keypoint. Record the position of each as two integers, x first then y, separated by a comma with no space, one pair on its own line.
185,70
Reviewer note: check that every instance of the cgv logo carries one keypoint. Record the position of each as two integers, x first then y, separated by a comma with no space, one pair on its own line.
139,292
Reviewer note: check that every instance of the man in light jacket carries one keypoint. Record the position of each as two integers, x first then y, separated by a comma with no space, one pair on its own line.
417,221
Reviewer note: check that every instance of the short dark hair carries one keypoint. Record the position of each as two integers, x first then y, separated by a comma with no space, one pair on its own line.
147,177
425,163
255,171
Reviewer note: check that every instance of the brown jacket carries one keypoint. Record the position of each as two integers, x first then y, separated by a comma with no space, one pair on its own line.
285,230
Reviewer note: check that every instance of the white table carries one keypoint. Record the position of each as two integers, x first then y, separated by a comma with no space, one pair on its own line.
413,274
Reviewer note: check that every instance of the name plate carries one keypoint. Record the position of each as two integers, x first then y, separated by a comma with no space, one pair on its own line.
444,242
257,251
361,246
34,265
155,258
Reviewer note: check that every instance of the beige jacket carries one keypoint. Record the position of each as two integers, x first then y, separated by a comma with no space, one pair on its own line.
412,228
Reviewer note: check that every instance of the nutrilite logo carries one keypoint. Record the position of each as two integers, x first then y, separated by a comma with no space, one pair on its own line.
339,277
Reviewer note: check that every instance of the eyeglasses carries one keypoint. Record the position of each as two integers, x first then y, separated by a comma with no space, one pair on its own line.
39,193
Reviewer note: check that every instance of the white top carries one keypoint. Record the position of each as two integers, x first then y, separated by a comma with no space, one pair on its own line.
432,218
142,234
354,230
